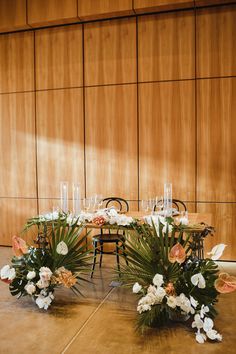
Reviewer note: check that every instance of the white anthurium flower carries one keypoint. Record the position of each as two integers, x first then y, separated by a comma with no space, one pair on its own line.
31,275
200,337
217,251
208,324
62,248
214,335
30,288
158,280
193,302
198,280
137,288
198,323
8,273
204,310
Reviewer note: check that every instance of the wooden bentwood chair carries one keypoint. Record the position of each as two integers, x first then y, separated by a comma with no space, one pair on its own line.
177,204
110,236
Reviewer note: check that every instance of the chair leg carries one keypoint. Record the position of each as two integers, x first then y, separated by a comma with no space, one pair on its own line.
101,253
126,260
94,258
117,256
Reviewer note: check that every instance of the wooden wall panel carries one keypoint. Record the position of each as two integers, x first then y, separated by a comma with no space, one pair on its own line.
142,6
59,57
111,141
13,216
17,62
167,138
17,150
110,52
90,9
216,167
216,45
60,134
224,221
166,46
50,12
213,2
12,15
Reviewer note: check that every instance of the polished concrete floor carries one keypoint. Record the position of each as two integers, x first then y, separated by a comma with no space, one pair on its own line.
101,322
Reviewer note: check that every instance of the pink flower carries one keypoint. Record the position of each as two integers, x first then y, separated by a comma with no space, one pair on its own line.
225,283
177,254
19,246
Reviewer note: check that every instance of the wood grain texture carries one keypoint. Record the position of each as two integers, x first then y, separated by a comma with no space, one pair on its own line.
166,46
90,9
142,6
17,62
59,57
224,221
111,141
213,2
167,139
110,52
216,107
216,46
60,135
17,140
50,12
13,216
12,15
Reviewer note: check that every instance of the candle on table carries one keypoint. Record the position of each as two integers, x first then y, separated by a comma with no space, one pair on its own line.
76,198
64,196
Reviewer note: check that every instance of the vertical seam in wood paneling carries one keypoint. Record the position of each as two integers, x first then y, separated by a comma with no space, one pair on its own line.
195,111
84,118
137,100
35,127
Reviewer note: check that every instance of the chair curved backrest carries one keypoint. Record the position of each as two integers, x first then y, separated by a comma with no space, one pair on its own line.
119,203
178,204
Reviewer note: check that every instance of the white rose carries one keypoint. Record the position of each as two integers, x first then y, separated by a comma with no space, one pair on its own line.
8,273
136,288
30,288
45,273
158,280
41,284
62,248
31,275
171,302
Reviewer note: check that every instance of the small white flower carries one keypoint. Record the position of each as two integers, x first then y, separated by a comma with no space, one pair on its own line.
198,323
194,302
200,337
208,324
204,310
170,228
136,288
214,335
160,293
184,221
30,288
41,284
62,248
198,279
44,302
8,273
171,302
31,275
158,280
217,251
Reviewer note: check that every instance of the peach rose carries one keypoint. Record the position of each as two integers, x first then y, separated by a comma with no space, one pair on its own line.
99,220
177,254
225,283
170,289
19,246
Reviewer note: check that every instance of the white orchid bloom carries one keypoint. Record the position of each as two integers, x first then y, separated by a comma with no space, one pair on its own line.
171,301
136,288
193,302
217,251
198,323
214,335
158,280
208,324
198,280
200,337
62,248
204,310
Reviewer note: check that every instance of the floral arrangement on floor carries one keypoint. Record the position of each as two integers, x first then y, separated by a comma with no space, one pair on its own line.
60,259
171,282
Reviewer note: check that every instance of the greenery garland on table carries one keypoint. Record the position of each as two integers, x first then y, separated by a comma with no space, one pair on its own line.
171,282
60,259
